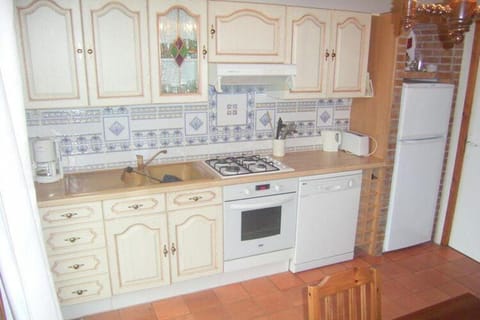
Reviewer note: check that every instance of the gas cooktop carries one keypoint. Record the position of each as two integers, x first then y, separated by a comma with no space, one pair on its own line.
229,167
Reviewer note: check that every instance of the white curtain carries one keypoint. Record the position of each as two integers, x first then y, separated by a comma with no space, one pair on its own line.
24,275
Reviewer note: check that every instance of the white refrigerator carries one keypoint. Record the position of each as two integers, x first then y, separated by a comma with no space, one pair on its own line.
420,149
465,235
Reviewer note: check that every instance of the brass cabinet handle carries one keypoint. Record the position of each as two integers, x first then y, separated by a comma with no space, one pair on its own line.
89,51
79,292
79,50
327,54
69,215
195,198
76,266
204,52
173,249
333,54
165,250
72,239
135,206
212,31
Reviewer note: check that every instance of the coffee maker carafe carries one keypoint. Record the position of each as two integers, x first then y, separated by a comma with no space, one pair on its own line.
47,164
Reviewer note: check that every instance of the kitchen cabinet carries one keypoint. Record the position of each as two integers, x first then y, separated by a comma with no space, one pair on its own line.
60,40
51,42
330,51
75,244
178,36
246,32
149,247
196,233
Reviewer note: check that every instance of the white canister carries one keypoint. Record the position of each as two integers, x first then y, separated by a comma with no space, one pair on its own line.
331,139
278,147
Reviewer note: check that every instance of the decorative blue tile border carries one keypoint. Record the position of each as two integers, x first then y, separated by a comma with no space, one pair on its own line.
227,118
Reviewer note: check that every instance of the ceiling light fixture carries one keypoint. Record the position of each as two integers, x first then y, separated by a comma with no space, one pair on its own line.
457,14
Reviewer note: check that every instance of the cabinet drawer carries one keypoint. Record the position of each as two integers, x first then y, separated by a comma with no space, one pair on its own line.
83,290
74,238
80,264
77,213
193,198
133,206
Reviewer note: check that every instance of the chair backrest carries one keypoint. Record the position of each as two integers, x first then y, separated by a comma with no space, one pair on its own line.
348,295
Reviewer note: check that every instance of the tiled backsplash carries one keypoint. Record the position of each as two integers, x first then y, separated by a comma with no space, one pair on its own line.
240,120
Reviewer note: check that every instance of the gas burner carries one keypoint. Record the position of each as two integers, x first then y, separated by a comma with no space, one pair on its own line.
242,165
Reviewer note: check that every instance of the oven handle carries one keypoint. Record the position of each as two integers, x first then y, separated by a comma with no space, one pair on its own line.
258,205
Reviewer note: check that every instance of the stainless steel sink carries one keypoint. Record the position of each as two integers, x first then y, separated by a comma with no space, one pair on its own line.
176,172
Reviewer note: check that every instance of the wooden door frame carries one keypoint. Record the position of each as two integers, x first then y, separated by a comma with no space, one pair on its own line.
462,140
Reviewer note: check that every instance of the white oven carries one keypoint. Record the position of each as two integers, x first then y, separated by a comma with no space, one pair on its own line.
259,218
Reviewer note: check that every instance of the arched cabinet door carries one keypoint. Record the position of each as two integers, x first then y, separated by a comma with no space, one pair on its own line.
116,47
350,42
136,248
179,53
195,242
246,32
51,45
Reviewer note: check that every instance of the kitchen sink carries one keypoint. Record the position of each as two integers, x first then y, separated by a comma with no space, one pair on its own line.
118,179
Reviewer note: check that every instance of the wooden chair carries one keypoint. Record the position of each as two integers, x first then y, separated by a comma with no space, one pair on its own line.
348,295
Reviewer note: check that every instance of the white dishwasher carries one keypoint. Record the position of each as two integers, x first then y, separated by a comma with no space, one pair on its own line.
327,215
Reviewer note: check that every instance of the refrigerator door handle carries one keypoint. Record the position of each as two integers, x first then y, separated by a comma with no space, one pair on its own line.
425,139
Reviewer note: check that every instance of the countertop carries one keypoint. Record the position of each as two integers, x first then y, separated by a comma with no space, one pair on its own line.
100,185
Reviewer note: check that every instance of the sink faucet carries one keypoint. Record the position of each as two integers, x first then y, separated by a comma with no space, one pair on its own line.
141,165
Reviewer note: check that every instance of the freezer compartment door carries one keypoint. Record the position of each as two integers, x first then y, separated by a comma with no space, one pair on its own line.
413,198
424,110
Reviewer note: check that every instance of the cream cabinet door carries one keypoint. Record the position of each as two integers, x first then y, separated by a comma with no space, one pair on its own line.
136,256
308,37
116,35
178,44
350,46
246,32
51,44
195,242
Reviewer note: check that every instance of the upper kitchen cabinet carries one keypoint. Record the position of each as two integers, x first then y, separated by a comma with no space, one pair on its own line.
63,45
330,51
246,32
116,44
350,37
178,35
51,42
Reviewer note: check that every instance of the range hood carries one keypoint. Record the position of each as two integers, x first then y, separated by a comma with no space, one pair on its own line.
275,76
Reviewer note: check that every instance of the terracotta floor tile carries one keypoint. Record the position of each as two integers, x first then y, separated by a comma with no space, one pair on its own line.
214,313
285,280
410,303
452,269
297,295
448,253
273,302
170,308
433,276
259,286
231,293
471,282
243,310
201,300
297,313
331,269
392,270
467,265
413,263
393,288
111,315
413,283
432,296
311,276
138,312
453,288
391,309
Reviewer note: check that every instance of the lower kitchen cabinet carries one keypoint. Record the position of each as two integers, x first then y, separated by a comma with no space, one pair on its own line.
196,242
138,254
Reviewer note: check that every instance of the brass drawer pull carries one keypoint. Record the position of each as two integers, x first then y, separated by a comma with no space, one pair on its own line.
212,31
79,50
204,52
76,266
327,54
89,51
79,292
333,54
173,249
135,206
69,215
72,239
195,198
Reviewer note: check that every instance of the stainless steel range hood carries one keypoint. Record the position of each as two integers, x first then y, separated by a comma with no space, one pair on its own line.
274,76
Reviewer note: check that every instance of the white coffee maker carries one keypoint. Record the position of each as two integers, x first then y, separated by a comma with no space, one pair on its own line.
47,163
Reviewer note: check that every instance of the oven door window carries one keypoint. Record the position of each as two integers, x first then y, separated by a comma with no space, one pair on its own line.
261,223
